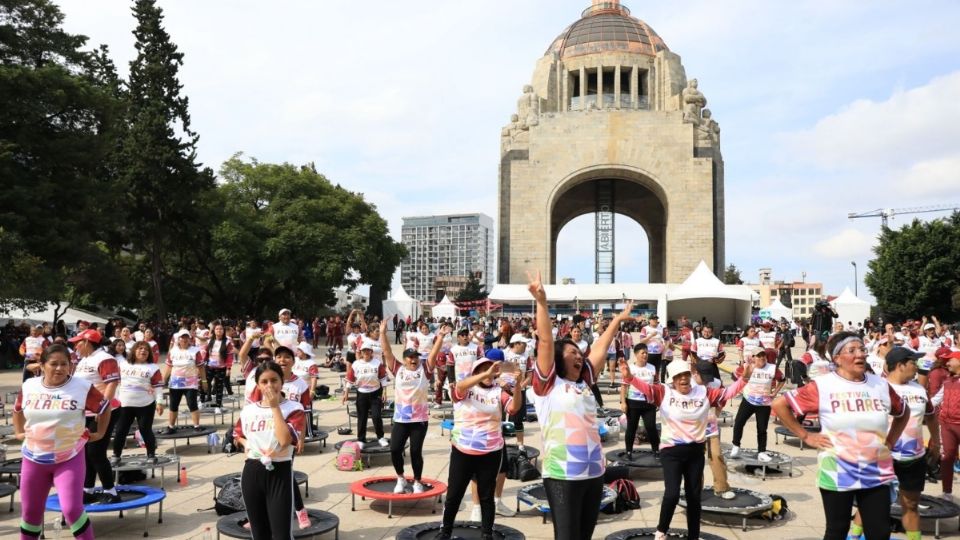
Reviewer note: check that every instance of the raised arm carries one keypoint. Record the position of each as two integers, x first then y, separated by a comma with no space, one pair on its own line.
388,358
544,335
437,345
598,351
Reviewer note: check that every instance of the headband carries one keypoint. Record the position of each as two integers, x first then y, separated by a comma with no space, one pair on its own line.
838,346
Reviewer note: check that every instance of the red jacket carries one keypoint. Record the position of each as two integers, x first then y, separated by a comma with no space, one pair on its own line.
950,408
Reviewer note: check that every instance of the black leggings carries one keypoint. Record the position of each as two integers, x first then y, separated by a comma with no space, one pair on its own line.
682,462
297,498
144,416
369,404
574,506
96,453
744,413
268,497
635,411
656,360
873,502
483,468
176,394
596,394
216,379
416,432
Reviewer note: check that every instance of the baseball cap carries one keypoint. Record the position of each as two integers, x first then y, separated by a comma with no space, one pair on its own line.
282,311
495,355
900,355
203,334
181,333
943,353
678,367
283,349
517,338
929,326
366,345
463,332
87,335
305,348
654,316
411,353
479,362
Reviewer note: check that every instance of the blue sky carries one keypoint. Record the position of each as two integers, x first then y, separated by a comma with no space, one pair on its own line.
825,107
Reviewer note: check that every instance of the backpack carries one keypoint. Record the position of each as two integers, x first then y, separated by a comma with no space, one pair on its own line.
348,457
520,468
228,447
230,498
627,497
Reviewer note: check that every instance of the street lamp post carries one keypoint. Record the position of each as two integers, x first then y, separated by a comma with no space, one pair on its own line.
855,292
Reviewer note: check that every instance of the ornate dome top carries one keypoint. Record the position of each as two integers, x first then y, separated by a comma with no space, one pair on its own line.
607,26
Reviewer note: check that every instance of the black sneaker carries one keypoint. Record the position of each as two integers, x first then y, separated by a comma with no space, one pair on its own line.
90,498
443,535
152,460
115,461
198,428
170,430
109,498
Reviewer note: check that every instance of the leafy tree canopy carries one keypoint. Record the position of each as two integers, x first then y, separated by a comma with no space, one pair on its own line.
472,290
731,276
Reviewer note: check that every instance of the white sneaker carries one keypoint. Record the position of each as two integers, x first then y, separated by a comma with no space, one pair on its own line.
947,497
727,495
764,457
475,514
401,485
384,442
418,487
218,410
659,536
504,510
734,452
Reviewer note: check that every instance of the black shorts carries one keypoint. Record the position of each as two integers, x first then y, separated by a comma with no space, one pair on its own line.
518,418
504,462
911,474
176,394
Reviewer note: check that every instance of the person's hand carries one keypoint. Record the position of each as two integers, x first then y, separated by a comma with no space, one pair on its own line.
94,437
625,314
383,327
299,446
20,436
493,370
747,371
346,394
159,408
535,286
934,448
624,369
817,440
271,397
445,330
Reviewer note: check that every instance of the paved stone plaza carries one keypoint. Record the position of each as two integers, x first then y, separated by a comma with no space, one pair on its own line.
329,490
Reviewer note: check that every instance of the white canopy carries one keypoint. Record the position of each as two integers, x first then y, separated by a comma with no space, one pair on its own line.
444,309
778,310
702,294
402,305
70,316
849,308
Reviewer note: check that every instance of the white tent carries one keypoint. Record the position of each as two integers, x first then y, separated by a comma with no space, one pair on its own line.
444,309
70,316
402,305
779,311
702,294
849,308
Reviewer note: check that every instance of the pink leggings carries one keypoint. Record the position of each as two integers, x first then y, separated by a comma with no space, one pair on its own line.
35,483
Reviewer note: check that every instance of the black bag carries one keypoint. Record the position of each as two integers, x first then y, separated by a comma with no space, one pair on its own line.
230,499
131,477
520,468
627,497
229,445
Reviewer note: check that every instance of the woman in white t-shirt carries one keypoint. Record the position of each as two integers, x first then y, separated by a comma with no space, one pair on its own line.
141,397
268,430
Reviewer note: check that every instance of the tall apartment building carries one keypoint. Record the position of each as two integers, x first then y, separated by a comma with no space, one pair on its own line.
800,296
442,251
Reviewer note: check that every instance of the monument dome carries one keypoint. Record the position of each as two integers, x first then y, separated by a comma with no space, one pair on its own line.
607,26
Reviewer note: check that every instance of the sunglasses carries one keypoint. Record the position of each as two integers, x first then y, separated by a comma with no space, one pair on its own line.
264,358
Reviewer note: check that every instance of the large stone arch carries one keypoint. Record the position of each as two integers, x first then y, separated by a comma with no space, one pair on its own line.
637,195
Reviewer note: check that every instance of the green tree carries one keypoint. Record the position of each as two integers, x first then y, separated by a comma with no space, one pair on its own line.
472,290
731,276
59,123
916,271
283,236
157,158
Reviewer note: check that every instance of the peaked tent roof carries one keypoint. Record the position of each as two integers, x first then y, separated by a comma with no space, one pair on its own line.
701,283
847,297
401,296
778,310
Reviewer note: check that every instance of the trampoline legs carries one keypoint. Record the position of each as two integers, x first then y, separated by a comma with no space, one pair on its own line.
146,517
744,524
353,502
390,509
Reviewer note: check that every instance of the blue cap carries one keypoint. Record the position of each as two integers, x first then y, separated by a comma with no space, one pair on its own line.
494,354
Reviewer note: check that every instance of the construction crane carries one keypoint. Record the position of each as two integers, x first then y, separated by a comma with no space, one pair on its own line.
887,213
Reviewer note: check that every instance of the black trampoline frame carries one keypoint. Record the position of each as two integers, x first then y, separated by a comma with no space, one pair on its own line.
744,512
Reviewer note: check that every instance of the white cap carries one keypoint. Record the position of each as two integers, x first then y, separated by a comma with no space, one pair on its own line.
517,338
284,310
929,326
182,333
305,348
203,334
677,367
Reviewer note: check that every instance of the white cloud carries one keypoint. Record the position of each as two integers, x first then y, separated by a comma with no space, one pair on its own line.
936,176
848,243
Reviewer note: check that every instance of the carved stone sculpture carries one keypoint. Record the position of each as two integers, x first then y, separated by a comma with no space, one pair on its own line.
708,132
693,102
528,108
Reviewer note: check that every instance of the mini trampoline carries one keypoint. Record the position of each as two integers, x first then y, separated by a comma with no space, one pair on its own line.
445,410
6,431
317,436
8,489
748,458
321,522
371,449
747,503
185,432
12,467
211,413
381,488
930,507
464,530
534,495
638,534
299,478
606,389
640,459
144,463
533,454
446,425
131,498
783,431
386,413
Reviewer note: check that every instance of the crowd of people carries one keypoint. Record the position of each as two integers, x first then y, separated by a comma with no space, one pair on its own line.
872,388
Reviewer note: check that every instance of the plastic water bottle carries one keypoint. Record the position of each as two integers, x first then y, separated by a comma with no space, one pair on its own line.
207,534
183,476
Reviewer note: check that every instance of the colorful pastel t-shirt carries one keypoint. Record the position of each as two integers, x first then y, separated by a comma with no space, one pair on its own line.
55,418
140,384
854,416
929,348
185,367
286,334
221,353
816,365
567,412
33,347
522,363
306,368
646,373
99,369
411,394
749,346
656,342
910,444
256,426
366,342
463,358
876,364
762,381
476,419
366,376
767,339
